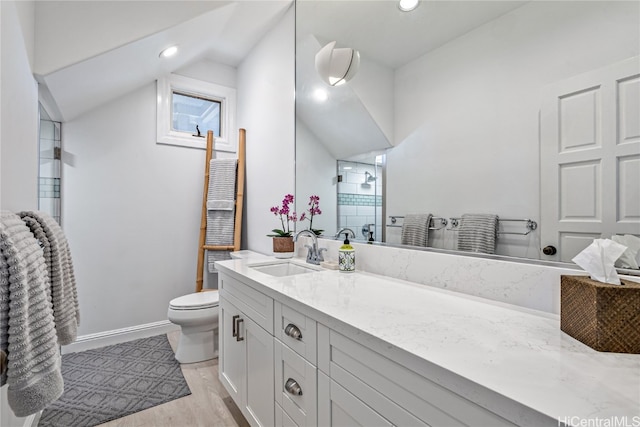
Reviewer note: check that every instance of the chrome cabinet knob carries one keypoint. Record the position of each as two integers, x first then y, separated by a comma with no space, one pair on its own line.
293,387
293,331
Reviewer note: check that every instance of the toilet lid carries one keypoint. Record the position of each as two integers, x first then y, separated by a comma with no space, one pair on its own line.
194,301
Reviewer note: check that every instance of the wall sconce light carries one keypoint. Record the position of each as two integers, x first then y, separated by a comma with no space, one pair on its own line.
337,65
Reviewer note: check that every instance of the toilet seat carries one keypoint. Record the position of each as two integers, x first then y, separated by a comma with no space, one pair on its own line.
196,301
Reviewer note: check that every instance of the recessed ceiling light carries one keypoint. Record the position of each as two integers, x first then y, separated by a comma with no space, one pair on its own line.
170,51
408,5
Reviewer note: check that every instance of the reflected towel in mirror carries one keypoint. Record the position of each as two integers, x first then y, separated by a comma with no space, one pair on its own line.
478,233
415,229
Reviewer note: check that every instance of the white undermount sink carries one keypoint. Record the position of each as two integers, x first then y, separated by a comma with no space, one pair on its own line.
282,269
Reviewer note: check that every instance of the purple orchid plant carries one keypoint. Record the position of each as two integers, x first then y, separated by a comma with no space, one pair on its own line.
287,216
314,209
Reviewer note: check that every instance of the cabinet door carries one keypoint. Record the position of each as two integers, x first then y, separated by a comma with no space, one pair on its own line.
259,395
337,407
232,353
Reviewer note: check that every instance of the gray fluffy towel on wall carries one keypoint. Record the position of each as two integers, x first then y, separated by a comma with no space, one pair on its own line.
27,332
57,256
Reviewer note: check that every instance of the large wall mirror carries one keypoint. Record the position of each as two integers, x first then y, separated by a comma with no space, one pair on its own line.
446,116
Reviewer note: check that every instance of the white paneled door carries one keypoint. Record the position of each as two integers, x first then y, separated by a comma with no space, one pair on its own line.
590,159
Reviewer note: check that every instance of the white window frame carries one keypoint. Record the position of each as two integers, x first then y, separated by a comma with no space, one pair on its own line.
166,85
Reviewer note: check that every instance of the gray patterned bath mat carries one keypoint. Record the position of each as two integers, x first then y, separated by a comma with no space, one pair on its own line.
106,383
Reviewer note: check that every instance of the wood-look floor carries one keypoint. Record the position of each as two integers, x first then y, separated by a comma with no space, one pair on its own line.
208,405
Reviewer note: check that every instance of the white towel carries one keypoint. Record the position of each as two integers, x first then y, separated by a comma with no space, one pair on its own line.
220,207
415,229
478,233
27,329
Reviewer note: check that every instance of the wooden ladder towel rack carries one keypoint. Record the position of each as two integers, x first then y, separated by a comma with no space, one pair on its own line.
202,246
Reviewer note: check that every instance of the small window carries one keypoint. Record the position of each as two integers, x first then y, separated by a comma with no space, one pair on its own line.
188,108
194,114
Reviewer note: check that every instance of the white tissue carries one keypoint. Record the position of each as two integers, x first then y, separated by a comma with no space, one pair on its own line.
629,259
598,259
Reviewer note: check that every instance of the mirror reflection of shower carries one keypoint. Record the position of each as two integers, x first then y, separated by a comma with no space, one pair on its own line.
368,178
360,196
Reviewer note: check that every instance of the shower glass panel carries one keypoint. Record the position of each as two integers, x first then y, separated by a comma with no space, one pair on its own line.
50,155
360,198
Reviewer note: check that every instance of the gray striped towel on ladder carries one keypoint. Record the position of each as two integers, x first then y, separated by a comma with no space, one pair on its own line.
478,233
221,209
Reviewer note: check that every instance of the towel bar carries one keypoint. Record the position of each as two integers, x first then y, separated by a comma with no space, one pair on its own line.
530,225
443,222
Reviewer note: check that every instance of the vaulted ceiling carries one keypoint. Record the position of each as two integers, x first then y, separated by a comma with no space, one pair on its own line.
90,52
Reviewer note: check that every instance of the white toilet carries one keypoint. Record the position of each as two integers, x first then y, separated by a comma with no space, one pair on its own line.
197,315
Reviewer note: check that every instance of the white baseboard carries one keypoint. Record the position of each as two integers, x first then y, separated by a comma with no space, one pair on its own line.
116,336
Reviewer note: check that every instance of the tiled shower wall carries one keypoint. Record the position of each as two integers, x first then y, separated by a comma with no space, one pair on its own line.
360,203
50,158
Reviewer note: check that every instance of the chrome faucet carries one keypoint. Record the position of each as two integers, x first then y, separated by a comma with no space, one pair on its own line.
314,255
344,230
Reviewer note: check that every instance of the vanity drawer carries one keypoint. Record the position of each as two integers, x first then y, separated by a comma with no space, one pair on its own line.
282,419
252,303
296,331
388,386
295,385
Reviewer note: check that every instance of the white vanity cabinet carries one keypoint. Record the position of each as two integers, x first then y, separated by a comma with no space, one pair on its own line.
325,348
246,356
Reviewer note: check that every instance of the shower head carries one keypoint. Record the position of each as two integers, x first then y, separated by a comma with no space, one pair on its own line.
369,178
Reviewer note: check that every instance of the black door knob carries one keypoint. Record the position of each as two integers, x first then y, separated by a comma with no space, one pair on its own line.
549,250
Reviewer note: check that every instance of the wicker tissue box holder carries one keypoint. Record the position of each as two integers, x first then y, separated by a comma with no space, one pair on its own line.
603,316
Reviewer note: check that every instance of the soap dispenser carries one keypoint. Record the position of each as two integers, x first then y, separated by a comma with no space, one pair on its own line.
346,256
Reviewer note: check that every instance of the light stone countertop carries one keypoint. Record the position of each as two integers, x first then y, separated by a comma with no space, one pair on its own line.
515,352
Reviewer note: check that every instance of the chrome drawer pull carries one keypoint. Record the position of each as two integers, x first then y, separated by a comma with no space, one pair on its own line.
293,387
293,331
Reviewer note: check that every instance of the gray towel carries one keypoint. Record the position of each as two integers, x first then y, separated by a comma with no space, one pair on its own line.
57,256
415,229
27,331
221,196
478,233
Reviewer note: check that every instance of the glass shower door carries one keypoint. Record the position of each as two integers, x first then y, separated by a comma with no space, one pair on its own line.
50,156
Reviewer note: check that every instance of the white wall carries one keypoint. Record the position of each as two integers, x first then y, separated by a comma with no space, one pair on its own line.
19,110
316,176
467,113
131,212
131,209
374,86
18,128
266,111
